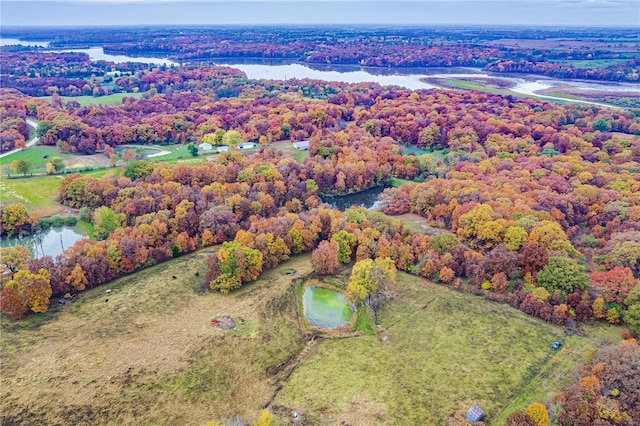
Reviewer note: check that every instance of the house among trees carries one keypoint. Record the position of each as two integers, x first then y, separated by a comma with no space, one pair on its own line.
302,145
223,148
474,414
247,145
205,147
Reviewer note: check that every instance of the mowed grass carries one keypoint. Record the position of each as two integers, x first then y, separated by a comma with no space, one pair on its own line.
436,353
35,155
39,194
115,98
149,354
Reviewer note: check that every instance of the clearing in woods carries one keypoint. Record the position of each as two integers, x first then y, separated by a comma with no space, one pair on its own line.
149,355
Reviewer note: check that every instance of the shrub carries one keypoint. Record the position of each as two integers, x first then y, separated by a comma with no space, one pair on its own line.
57,221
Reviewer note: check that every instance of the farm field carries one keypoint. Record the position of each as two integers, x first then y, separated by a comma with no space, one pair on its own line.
113,99
146,354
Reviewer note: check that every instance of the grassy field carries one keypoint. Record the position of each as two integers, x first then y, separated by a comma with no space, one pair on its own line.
115,98
594,63
149,355
418,224
479,86
435,354
35,155
39,194
146,354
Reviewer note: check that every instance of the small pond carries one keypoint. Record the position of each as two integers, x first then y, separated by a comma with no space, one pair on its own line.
367,198
47,243
325,308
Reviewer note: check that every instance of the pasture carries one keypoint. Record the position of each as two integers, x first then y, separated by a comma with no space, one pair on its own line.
113,99
146,353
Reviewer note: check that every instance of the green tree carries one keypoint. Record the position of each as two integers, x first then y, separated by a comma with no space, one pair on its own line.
58,164
138,169
218,135
561,273
443,243
105,221
347,243
22,166
632,314
193,150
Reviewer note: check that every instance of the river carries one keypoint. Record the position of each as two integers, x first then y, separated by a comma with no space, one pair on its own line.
410,78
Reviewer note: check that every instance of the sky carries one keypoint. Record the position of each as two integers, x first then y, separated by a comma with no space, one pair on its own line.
220,12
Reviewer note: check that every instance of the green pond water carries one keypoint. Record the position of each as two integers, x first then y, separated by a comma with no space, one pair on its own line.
325,308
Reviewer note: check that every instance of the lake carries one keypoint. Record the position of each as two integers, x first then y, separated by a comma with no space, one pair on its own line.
50,242
97,54
367,198
410,78
325,308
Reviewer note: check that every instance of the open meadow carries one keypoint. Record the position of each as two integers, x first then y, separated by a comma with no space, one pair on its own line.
39,194
145,353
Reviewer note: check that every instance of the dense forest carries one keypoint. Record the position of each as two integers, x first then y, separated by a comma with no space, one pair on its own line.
537,204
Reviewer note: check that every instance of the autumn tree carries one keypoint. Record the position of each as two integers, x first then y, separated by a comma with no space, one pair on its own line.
538,413
614,285
519,418
15,220
324,258
499,282
265,418
12,301
626,254
232,265
77,280
367,276
446,274
13,259
515,237
221,222
232,138
563,274
29,290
